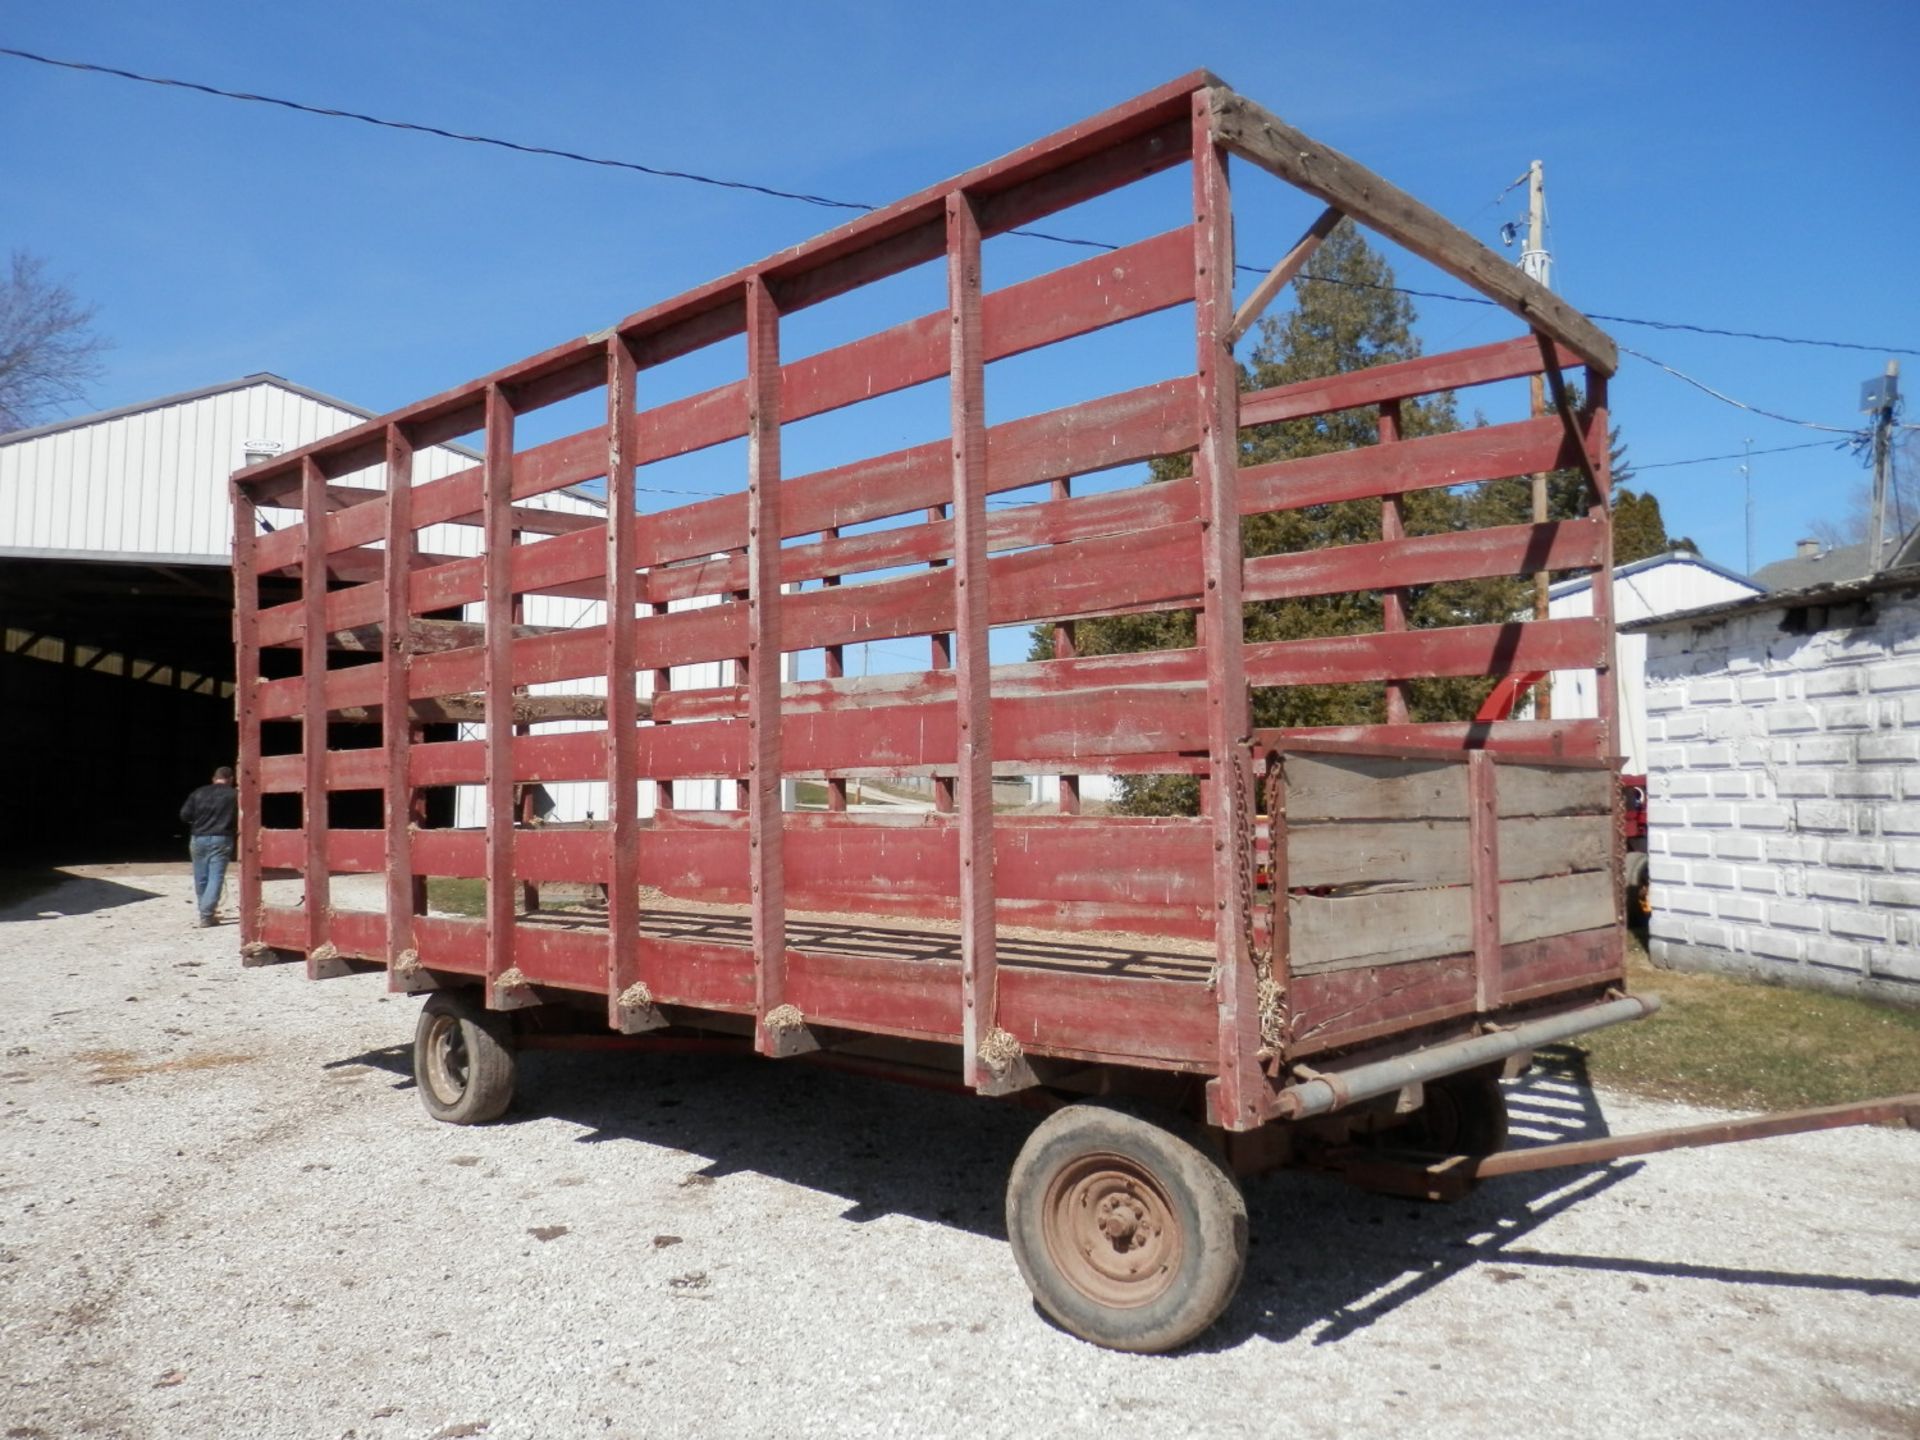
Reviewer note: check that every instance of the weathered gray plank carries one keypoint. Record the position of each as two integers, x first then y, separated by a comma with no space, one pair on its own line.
1339,932
1554,845
1366,852
1545,790
1252,131
1555,905
1434,852
1369,787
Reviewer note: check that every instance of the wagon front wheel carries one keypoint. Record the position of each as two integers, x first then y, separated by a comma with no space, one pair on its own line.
463,1059
1128,1234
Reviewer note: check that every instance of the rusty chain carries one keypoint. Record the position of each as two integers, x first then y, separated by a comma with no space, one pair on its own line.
1275,1021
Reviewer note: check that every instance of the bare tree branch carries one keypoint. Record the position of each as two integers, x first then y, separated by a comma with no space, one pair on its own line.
49,350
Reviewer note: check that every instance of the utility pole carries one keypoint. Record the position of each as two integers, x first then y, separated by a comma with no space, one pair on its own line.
1879,396
1538,264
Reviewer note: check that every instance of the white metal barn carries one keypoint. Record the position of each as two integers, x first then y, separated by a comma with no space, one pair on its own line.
116,602
1659,585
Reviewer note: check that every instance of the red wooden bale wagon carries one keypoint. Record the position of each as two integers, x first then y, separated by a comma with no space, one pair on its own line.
1354,936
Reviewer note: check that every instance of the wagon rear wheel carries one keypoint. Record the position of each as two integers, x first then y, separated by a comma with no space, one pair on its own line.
463,1059
1128,1234
1463,1115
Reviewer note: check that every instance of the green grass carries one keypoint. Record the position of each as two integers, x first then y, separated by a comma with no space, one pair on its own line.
1746,1045
457,897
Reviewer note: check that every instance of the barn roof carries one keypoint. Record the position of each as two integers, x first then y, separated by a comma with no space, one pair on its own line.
259,377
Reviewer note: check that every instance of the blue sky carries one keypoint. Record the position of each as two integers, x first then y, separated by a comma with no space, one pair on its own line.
1741,166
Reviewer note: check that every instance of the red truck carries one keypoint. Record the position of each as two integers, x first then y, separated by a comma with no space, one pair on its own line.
1362,929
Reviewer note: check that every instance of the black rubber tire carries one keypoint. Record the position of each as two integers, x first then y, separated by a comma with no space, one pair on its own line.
1192,1191
1634,893
463,1059
1463,1115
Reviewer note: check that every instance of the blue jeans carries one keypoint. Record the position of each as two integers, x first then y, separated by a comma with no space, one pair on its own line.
210,856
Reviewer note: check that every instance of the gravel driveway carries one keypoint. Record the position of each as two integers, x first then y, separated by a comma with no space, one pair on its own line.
223,1213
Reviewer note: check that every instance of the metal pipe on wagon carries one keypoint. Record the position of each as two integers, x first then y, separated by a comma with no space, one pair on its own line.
1326,1093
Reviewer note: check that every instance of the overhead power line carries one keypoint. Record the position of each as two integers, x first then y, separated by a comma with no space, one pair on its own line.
828,202
1726,399
1737,455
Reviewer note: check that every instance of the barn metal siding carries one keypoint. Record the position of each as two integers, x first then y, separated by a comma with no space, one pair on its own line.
152,481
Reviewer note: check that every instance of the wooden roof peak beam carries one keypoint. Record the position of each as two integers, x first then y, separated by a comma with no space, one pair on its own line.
1256,134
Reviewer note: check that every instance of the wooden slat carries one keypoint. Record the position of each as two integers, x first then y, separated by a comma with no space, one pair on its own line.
1532,739
1386,927
1367,787
1555,905
1252,131
1568,644
1399,380
1428,559
1460,457
1364,852
1344,853
1546,790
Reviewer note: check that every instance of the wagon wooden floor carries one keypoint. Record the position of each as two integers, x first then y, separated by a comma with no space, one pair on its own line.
1095,953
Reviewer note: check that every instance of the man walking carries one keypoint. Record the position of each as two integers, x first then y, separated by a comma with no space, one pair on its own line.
211,816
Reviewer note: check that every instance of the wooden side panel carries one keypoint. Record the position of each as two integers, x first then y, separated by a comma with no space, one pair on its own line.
1372,787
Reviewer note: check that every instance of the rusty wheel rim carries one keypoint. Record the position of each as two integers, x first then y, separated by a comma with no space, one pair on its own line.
1111,1231
446,1060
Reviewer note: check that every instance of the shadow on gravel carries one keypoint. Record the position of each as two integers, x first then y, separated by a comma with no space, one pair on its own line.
34,894
1326,1260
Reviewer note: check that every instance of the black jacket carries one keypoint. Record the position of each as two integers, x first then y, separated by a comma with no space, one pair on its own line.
212,810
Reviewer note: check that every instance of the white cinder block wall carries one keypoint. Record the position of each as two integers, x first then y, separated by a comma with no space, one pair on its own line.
1784,816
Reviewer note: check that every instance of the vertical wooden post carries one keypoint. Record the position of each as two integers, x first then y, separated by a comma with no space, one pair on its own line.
1483,845
246,706
1236,1093
1606,687
779,1028
743,787
523,794
991,1059
322,962
1064,638
835,668
630,1007
396,724
506,986
1393,603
